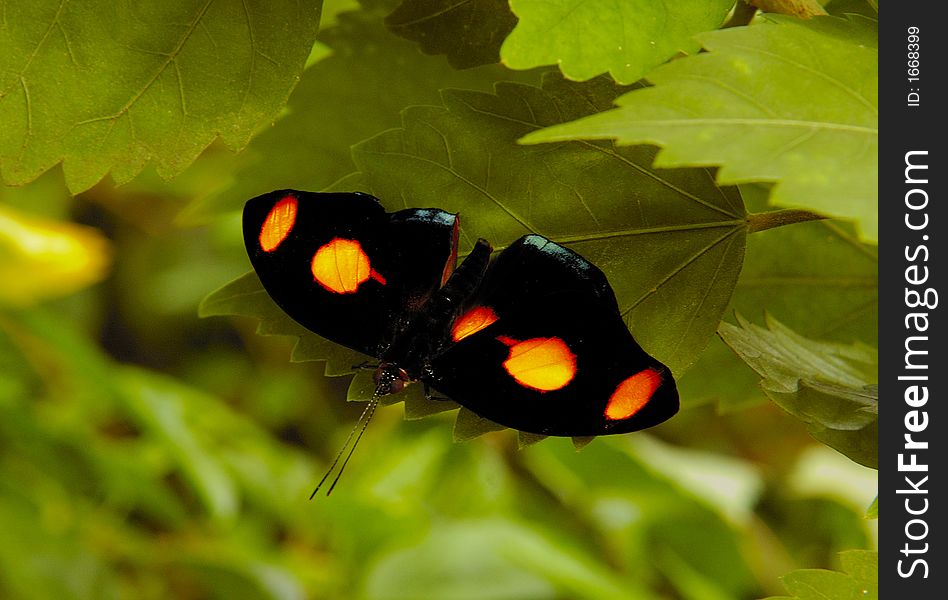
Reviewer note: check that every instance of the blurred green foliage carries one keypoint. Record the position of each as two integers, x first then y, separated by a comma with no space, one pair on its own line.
148,453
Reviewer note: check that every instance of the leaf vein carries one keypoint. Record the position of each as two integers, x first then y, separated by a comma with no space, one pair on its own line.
704,297
651,174
668,276
649,230
461,178
192,26
429,17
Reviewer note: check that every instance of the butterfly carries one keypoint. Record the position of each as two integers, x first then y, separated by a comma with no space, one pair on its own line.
531,338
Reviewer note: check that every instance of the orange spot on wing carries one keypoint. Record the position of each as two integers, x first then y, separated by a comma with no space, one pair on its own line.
341,266
544,364
472,321
632,394
278,224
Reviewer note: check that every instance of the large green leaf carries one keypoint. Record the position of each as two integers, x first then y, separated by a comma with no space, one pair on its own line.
671,242
106,87
789,102
469,32
859,579
374,75
590,37
830,387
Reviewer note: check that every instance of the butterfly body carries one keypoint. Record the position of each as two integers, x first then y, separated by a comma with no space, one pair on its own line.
531,338
407,359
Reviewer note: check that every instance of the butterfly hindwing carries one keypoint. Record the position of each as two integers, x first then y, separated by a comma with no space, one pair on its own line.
342,267
541,347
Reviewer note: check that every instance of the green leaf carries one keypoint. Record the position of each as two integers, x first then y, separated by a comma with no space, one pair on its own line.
863,565
469,425
783,357
790,102
828,386
374,75
670,242
625,39
469,32
843,418
113,87
858,580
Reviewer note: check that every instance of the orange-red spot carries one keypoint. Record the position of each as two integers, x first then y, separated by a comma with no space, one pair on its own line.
632,394
544,364
341,266
472,321
506,340
377,276
278,224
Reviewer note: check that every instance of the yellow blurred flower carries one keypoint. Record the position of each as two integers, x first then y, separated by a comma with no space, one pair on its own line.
42,258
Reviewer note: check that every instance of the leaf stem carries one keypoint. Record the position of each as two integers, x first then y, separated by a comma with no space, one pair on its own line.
778,218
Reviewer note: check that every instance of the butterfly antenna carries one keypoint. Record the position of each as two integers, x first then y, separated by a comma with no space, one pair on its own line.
364,419
371,408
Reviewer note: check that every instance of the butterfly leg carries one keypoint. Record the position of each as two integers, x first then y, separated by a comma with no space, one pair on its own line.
365,365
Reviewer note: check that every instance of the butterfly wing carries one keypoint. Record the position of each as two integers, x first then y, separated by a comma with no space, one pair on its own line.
541,347
342,267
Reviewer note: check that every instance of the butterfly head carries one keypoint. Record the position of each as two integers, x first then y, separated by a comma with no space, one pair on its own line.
390,379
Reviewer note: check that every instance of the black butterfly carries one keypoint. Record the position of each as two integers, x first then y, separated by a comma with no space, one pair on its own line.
532,340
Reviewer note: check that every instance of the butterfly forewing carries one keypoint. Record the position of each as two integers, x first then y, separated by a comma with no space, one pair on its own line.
342,267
